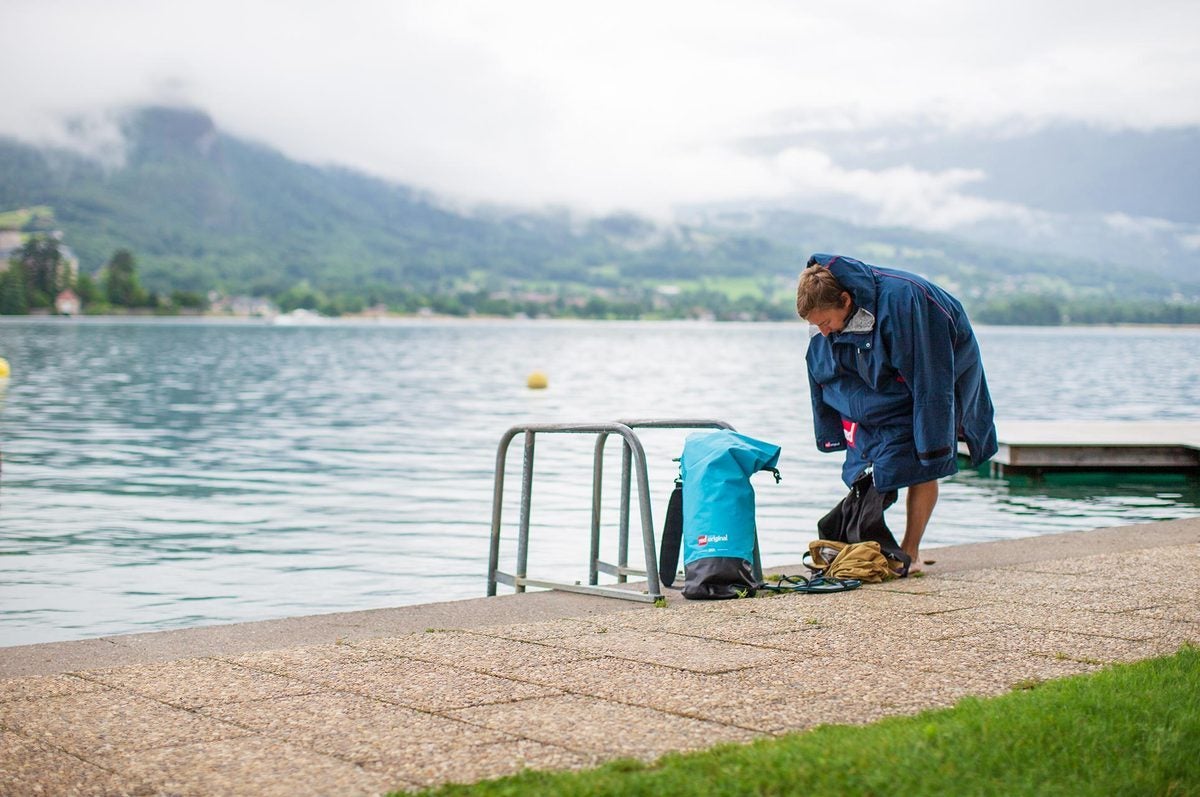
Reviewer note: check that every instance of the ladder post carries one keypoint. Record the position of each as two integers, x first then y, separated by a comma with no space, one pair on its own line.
526,500
597,492
638,461
497,504
623,530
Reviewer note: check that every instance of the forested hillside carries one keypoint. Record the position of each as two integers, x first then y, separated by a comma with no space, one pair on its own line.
205,211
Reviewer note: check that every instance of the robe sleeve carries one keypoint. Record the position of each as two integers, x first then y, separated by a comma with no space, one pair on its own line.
827,422
920,337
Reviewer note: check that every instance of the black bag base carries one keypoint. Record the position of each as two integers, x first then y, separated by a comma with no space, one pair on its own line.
859,518
715,578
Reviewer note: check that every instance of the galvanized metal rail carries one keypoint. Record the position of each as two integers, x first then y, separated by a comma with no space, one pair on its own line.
621,569
633,464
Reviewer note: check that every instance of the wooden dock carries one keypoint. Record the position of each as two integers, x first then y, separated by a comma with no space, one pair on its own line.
1042,446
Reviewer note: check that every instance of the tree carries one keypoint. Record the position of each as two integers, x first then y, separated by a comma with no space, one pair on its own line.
13,299
301,296
87,290
190,299
43,267
1033,309
121,284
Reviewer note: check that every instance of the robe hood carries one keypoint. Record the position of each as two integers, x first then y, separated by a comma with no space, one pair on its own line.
853,275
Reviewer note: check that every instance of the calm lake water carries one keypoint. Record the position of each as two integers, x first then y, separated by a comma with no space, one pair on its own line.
161,474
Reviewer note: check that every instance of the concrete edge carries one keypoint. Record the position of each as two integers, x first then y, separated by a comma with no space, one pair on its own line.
240,638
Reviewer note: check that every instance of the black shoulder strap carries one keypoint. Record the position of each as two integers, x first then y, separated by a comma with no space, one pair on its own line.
672,536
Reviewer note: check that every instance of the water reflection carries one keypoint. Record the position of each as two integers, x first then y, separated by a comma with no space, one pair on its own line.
1131,495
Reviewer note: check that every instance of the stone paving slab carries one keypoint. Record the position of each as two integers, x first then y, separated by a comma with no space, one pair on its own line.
251,765
399,701
610,728
696,654
555,629
316,664
479,652
723,626
353,727
96,725
1187,614
40,687
1122,625
485,761
32,766
240,638
1109,600
430,687
194,683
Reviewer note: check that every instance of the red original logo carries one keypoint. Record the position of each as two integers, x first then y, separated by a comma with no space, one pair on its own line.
849,429
703,540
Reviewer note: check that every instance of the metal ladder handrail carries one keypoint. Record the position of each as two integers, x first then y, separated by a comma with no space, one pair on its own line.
633,461
519,580
621,569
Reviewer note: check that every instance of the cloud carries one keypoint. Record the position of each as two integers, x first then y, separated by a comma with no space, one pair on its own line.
898,196
1141,229
1132,225
619,104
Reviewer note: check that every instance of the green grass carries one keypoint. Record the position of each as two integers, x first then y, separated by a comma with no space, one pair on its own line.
1128,730
733,288
19,218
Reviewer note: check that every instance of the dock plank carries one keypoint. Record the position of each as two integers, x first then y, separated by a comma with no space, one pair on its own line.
1115,445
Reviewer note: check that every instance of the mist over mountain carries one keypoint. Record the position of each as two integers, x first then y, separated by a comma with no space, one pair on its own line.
1127,197
204,210
1061,168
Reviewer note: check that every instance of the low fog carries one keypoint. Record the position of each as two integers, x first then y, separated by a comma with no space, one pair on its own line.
611,105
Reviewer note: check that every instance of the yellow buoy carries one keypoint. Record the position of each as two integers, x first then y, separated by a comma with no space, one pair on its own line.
3,368
537,381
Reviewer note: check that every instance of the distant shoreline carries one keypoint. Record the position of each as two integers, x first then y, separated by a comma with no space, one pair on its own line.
417,319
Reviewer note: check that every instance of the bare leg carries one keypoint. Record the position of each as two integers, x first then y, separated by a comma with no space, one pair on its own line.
919,503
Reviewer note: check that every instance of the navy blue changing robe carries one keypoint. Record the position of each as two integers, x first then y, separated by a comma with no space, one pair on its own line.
902,383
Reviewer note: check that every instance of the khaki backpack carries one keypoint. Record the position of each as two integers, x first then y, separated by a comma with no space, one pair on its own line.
861,560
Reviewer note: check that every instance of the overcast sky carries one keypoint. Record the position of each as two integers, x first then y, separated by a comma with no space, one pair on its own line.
610,104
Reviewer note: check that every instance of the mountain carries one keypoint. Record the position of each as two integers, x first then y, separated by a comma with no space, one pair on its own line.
204,210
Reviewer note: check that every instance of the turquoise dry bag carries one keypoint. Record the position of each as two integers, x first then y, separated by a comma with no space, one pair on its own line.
719,531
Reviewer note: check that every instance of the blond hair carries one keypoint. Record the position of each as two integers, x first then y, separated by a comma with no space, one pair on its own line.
818,289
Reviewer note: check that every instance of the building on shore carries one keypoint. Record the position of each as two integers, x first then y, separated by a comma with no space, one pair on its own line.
67,303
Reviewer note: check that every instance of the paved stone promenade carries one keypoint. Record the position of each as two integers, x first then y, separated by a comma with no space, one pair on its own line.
372,702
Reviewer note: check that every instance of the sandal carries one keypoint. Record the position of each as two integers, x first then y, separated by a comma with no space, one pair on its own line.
815,584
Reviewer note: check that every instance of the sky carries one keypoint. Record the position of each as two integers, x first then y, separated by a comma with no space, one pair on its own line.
636,106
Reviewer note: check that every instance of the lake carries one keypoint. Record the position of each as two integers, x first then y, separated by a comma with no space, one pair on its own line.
166,473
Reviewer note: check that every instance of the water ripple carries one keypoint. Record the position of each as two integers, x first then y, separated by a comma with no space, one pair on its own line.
160,475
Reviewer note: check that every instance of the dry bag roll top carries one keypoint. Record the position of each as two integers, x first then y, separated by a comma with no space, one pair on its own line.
719,529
